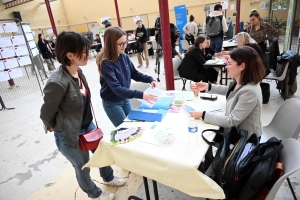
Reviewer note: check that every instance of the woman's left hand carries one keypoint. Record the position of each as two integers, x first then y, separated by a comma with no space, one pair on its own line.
196,114
153,84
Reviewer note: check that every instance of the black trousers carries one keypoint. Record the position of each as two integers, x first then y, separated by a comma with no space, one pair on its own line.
206,75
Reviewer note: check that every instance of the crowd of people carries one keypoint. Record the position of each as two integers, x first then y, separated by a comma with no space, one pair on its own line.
67,98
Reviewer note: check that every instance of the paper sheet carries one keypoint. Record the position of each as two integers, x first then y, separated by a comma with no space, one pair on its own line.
32,44
7,52
21,50
29,36
5,42
2,67
34,52
181,95
10,27
4,76
24,60
207,106
26,28
11,63
1,28
15,73
18,39
154,91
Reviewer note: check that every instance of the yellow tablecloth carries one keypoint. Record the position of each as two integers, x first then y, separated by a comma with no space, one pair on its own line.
174,165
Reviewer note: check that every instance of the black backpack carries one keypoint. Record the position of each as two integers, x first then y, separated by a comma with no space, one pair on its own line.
263,169
213,25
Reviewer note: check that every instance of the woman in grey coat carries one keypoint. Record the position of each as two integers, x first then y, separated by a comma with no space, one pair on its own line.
243,95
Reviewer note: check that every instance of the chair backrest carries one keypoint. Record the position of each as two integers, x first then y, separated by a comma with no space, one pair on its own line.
176,62
286,121
155,45
135,104
290,156
279,78
184,44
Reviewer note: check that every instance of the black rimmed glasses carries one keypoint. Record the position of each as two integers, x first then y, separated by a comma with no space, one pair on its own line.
123,43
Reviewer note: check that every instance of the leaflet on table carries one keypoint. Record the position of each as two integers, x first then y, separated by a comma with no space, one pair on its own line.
5,42
207,106
4,76
147,115
24,60
7,52
154,91
21,50
18,39
181,95
176,106
125,135
15,73
11,63
10,27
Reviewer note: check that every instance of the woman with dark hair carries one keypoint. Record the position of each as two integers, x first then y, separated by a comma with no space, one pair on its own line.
191,66
243,95
67,111
45,49
191,30
116,71
261,31
208,51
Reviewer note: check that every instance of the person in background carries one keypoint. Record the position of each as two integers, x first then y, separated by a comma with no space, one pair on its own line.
67,111
46,51
261,31
217,40
142,37
116,71
191,30
130,36
246,26
191,66
97,43
52,47
208,51
243,96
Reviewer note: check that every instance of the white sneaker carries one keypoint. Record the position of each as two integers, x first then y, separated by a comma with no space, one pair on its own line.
116,182
106,196
140,66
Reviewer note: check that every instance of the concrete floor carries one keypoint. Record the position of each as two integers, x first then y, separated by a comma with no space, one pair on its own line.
32,167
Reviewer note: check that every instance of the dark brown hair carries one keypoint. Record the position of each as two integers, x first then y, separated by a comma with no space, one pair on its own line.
192,18
254,13
198,41
69,41
254,69
217,7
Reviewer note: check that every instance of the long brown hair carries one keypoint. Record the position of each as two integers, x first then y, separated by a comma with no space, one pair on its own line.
109,52
254,69
198,41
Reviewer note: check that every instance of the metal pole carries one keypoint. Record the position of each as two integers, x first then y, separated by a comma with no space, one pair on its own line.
166,43
51,17
237,23
118,15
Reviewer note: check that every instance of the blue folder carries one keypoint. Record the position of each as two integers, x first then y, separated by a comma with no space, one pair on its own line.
162,103
146,116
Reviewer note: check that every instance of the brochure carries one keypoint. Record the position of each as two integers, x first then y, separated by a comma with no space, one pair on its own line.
125,135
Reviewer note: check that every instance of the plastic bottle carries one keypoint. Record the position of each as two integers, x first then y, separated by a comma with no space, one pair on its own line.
193,131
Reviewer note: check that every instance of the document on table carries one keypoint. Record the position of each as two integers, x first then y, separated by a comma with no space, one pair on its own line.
4,76
5,42
18,39
11,63
2,67
10,27
207,106
21,50
15,73
24,60
7,52
154,91
181,95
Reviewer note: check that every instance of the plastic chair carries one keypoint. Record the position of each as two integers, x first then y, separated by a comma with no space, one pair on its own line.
290,156
176,62
272,75
285,123
135,104
184,44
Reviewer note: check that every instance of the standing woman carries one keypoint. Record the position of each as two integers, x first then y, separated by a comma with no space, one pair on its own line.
191,30
45,49
261,31
116,71
67,111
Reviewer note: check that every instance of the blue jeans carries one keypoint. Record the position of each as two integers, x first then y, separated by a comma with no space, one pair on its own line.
216,44
117,111
78,158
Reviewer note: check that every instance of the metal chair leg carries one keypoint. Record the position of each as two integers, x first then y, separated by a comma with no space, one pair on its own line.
288,180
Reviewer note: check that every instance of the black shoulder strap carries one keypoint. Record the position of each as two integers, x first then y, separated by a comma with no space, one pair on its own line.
213,143
271,154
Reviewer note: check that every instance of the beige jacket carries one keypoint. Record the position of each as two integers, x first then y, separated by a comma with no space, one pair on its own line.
191,27
243,108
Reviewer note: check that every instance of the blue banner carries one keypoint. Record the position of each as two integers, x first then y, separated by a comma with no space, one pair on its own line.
181,20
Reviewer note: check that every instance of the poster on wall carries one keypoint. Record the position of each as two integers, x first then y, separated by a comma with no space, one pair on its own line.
181,20
279,5
136,18
224,4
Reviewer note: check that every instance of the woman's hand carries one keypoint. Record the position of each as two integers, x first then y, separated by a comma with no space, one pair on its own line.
150,98
153,84
196,114
199,87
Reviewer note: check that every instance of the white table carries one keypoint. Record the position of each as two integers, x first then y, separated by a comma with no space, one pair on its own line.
175,164
227,45
220,64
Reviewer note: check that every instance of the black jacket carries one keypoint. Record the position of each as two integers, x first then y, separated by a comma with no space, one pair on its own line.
294,61
142,34
209,53
261,55
46,53
273,53
190,64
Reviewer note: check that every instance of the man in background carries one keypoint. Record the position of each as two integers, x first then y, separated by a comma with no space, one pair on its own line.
142,37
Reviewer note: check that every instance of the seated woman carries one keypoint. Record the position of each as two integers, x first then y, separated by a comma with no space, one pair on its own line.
244,39
244,98
191,66
208,51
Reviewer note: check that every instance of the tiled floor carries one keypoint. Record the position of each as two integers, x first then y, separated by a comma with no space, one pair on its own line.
32,167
